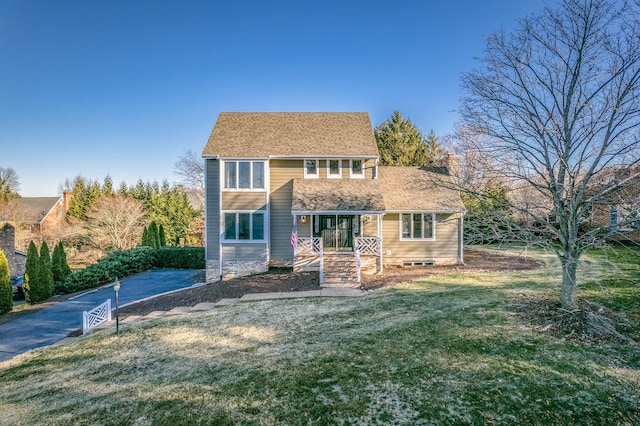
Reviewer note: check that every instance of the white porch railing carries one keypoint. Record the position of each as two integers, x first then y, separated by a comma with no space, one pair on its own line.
311,246
96,316
369,246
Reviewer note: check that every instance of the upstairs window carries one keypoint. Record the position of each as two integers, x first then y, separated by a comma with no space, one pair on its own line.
334,169
311,169
357,168
417,226
244,175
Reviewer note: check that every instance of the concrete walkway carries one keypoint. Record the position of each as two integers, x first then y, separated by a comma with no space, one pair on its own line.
252,297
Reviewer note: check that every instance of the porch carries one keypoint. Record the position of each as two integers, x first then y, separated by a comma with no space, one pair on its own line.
339,268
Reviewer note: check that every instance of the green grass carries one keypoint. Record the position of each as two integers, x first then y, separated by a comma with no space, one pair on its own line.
449,350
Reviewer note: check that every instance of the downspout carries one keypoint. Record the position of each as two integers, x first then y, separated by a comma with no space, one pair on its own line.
461,239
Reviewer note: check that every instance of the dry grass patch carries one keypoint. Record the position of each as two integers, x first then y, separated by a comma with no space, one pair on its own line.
448,350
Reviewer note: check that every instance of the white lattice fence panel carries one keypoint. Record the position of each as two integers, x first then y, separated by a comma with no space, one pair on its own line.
309,246
367,245
96,316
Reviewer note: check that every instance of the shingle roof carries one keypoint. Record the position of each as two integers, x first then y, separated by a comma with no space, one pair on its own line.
34,209
290,134
417,188
336,195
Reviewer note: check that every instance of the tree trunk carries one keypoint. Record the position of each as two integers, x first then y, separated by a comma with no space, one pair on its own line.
569,285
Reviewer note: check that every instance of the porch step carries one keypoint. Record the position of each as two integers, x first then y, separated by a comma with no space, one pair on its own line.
340,270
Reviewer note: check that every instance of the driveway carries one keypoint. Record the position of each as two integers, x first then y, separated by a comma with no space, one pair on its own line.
53,324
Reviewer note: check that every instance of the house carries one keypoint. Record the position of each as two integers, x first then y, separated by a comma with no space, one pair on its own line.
617,208
36,213
304,189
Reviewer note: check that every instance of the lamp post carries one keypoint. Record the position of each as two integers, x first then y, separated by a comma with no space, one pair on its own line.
116,287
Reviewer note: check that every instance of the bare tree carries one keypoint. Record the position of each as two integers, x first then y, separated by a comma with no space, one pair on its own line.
9,184
190,167
115,222
558,105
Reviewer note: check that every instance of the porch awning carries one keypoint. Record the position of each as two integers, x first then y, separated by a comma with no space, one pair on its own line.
336,196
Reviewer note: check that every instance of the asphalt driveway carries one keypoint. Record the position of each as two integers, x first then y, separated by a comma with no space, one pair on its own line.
52,324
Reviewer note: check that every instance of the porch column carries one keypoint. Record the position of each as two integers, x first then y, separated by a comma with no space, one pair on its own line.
380,259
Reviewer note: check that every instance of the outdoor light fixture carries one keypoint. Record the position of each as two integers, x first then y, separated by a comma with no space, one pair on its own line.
116,287
303,219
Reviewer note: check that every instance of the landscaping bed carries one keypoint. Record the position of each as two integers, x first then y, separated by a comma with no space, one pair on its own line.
282,279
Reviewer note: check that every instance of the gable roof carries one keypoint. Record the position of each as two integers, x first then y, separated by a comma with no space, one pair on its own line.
291,134
35,209
336,195
418,188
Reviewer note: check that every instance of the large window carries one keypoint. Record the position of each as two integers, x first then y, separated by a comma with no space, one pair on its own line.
240,226
311,169
357,168
245,175
417,226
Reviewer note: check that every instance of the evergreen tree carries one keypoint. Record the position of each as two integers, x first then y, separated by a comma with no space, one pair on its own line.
59,265
6,294
45,272
107,186
153,234
401,143
162,237
145,237
31,287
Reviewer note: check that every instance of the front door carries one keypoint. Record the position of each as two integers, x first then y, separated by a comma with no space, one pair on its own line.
336,231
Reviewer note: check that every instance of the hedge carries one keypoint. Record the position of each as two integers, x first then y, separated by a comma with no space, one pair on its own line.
122,263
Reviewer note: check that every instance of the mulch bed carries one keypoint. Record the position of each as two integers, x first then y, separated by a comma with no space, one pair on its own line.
282,279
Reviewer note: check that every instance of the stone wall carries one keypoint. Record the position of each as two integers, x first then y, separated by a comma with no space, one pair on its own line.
234,269
8,246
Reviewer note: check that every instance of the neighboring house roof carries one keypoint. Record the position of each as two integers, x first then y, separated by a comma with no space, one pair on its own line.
292,134
418,188
34,209
336,195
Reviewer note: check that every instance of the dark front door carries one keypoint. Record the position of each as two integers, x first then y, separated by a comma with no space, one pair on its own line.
336,231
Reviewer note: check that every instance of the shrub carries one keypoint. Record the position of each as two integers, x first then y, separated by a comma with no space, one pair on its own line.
59,265
6,294
45,272
33,292
180,258
116,264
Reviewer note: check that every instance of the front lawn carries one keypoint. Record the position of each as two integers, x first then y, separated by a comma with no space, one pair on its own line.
453,349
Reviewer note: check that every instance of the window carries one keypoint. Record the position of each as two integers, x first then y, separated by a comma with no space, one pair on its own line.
334,171
310,169
357,169
245,175
417,226
243,226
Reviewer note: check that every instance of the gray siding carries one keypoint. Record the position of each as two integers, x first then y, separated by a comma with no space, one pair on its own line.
212,215
238,252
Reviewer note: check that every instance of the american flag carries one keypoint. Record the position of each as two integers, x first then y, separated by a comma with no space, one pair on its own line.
294,234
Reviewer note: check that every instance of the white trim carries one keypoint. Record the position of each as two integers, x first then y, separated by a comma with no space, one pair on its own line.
251,162
359,175
329,175
267,227
250,213
306,174
332,156
338,212
433,227
426,211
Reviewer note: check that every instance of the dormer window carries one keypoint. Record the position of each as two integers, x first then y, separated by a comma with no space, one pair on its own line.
311,169
356,169
334,169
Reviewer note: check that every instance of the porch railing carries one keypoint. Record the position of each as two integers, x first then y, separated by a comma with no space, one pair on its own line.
367,245
311,246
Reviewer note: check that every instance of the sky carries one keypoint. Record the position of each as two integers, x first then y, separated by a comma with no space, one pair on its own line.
126,87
